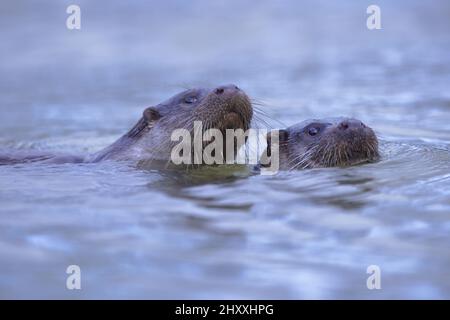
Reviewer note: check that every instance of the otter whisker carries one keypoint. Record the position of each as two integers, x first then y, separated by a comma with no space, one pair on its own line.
261,112
302,160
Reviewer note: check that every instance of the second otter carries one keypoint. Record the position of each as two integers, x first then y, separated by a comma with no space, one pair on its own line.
333,142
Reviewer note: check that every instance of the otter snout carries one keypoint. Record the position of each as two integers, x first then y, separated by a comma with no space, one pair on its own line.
350,124
353,142
227,107
230,88
351,129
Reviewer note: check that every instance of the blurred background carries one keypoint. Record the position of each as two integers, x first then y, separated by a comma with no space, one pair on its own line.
307,58
308,234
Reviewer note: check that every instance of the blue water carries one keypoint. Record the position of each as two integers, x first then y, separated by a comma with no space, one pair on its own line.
220,232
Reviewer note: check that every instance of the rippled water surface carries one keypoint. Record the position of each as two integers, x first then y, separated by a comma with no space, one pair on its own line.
225,232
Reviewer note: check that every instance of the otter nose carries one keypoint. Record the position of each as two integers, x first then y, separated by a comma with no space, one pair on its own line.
222,89
350,123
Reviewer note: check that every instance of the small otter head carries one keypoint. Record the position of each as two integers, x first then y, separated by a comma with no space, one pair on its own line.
327,143
224,107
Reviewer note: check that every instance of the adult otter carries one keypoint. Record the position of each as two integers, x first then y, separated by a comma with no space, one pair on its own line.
224,107
333,142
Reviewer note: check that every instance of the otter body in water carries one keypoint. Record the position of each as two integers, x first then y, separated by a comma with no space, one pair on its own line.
224,107
333,142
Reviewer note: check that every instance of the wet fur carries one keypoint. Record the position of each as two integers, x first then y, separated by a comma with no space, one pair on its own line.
150,138
332,148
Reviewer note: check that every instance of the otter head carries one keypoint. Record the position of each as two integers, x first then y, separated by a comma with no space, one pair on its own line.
336,142
224,107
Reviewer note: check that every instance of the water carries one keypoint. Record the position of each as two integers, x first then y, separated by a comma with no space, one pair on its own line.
223,232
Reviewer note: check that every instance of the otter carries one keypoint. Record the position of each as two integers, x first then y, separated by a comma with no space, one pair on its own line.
331,142
223,107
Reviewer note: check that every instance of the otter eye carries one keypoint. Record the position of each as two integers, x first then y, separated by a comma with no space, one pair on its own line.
190,99
313,131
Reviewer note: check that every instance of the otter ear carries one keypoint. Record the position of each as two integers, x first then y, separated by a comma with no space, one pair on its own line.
151,114
148,120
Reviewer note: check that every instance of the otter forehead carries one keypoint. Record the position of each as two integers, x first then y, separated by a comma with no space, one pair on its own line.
181,97
189,98
325,122
192,98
